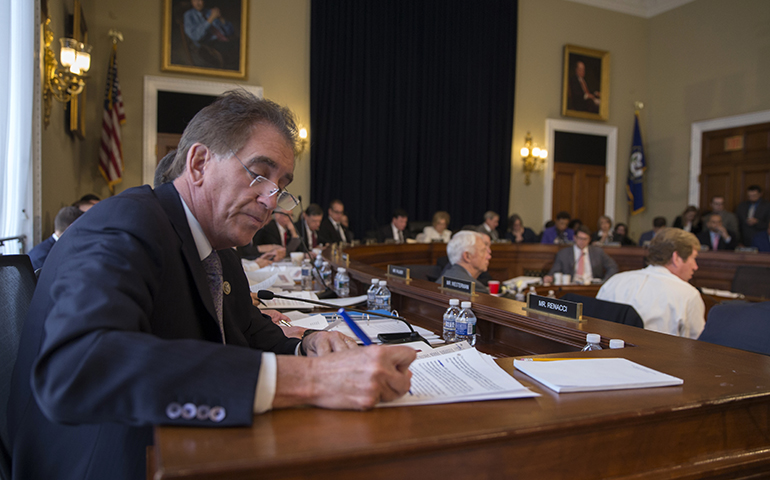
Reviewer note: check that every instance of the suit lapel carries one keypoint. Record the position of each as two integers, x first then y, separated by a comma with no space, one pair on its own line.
172,205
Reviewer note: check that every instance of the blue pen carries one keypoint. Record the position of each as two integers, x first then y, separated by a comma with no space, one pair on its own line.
356,329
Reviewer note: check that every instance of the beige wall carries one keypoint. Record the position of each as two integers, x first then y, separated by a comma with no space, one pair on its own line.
706,59
278,60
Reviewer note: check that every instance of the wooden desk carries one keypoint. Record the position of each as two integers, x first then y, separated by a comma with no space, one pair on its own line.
716,425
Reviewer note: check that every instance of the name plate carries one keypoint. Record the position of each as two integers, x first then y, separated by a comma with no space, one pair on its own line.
554,306
400,272
346,260
463,286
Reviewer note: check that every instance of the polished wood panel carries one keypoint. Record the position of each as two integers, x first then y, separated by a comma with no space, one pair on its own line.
716,425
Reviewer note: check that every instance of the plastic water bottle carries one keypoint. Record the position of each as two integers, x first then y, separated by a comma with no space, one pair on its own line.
449,320
370,294
326,273
593,341
342,283
382,297
307,275
465,324
319,260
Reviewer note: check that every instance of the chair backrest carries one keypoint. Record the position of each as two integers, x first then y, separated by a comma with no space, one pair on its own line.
17,284
752,281
424,272
604,310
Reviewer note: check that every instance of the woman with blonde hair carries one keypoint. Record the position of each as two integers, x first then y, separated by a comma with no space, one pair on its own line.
438,232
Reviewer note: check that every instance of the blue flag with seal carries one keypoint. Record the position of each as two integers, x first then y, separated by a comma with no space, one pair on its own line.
636,167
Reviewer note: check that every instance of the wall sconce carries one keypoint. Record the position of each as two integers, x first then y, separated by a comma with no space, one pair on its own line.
65,82
533,158
302,141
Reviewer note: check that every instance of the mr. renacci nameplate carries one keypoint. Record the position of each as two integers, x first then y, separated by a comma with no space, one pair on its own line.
554,306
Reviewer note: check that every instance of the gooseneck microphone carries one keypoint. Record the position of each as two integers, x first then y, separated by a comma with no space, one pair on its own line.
268,295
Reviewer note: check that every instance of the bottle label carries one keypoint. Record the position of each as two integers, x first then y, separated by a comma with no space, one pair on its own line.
461,328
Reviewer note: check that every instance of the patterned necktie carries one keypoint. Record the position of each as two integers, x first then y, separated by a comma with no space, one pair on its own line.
285,238
341,232
714,242
315,240
581,266
400,236
213,267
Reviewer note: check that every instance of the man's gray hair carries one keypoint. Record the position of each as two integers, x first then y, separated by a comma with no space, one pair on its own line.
490,215
227,124
463,241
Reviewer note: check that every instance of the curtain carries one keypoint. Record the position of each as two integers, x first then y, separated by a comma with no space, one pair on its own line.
411,106
16,83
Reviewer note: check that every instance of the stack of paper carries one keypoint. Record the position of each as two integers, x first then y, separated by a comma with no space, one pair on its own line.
593,374
456,373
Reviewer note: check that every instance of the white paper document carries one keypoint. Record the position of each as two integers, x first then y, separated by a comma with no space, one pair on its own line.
594,374
458,376
372,328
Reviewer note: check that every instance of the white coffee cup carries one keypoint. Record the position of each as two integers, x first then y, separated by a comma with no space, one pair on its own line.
558,277
567,279
296,258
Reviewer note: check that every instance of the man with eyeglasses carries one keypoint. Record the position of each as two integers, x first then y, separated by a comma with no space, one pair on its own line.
332,230
143,316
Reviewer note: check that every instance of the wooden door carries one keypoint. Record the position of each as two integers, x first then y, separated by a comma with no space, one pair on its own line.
733,159
579,190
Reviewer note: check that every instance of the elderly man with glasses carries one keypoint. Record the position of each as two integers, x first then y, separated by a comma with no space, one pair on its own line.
143,316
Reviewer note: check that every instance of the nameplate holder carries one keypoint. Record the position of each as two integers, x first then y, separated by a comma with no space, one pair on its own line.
398,272
467,287
346,260
555,307
746,249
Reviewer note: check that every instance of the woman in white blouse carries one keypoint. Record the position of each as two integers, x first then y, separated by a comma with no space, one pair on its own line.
439,231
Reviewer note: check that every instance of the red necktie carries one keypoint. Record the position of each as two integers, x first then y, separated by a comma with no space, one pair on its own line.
715,243
315,240
285,238
581,267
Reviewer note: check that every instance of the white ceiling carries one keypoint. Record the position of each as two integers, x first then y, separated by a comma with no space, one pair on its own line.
640,8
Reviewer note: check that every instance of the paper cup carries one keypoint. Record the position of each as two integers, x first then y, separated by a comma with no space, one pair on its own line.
567,279
558,278
296,258
494,286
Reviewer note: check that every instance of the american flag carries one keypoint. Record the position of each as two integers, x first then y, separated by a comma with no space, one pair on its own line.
111,152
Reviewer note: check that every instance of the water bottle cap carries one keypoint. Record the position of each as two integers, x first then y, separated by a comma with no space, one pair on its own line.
454,301
383,283
593,338
551,292
341,270
466,304
617,343
375,281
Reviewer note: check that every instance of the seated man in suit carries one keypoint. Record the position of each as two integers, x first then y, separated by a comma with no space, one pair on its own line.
583,261
395,231
63,220
308,224
489,227
143,316
331,229
469,256
762,240
739,325
753,214
660,293
559,233
658,224
729,220
274,240
715,235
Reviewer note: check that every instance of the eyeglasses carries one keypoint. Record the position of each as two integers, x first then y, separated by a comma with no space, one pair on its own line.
266,187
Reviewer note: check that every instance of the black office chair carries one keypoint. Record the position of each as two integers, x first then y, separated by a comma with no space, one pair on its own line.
604,310
740,325
17,284
752,281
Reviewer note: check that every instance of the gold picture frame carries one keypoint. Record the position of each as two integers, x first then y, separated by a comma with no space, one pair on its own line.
192,45
586,83
76,111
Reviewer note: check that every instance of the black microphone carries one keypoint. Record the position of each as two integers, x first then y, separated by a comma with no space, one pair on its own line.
391,338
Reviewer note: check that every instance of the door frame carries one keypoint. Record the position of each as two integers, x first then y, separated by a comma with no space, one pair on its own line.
154,84
696,144
610,162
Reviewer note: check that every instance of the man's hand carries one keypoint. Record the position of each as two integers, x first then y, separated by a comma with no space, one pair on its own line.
354,379
547,280
321,343
265,259
278,318
751,221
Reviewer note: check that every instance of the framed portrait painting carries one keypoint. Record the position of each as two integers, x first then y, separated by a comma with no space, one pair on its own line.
206,37
586,83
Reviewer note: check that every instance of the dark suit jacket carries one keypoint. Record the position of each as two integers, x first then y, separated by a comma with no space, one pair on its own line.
575,99
762,242
696,227
121,332
705,239
602,265
739,325
762,214
38,254
646,237
529,236
267,235
302,232
328,234
385,232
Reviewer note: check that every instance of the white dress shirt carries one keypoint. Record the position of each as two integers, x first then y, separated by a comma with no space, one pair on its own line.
666,303
588,273
339,229
397,235
268,369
